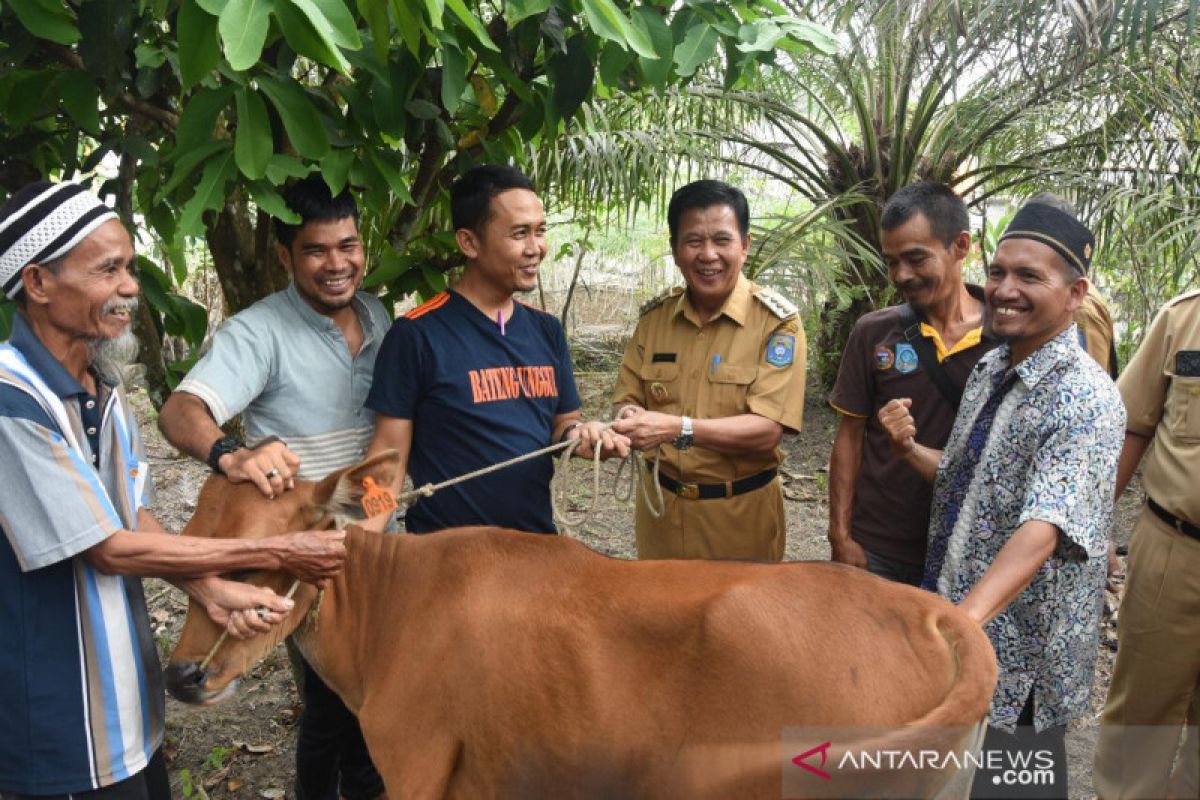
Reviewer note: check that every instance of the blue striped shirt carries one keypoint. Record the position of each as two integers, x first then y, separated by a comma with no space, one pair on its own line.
81,699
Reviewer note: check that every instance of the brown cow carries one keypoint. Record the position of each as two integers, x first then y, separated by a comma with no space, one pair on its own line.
485,663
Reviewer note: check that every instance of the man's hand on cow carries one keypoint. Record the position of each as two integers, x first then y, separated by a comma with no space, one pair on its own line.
899,424
845,550
648,429
311,556
271,467
243,609
591,433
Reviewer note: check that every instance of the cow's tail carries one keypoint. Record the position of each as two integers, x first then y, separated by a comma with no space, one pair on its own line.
970,693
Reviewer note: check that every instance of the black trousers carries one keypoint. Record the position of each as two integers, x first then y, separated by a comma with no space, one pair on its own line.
1028,764
330,742
151,783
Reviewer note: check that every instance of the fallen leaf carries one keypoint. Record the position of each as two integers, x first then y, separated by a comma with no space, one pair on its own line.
234,784
272,793
258,749
216,778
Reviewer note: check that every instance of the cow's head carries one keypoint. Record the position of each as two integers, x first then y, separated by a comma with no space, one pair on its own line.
240,511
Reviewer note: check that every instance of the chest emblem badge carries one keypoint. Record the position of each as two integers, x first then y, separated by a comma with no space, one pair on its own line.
906,357
884,358
658,392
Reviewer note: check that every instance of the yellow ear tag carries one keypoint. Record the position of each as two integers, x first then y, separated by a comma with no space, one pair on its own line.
376,499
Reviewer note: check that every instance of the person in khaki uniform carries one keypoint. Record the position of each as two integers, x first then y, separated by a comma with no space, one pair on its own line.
713,377
1096,330
1157,671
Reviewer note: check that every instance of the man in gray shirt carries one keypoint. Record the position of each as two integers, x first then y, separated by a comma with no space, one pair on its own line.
297,366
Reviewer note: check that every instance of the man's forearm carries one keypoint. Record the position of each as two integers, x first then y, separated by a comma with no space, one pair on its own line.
169,556
1015,565
187,424
744,434
1131,455
845,463
924,460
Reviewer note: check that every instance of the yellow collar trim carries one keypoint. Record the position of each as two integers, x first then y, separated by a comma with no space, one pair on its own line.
969,340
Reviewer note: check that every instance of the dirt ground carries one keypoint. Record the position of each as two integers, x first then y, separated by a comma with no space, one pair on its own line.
244,747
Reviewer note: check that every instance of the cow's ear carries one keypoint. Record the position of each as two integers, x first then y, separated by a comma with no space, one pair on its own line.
342,491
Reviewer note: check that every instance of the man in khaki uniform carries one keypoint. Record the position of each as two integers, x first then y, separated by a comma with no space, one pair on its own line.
1096,330
1155,678
713,376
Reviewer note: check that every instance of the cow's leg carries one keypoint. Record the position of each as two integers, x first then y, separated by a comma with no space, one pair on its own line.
411,767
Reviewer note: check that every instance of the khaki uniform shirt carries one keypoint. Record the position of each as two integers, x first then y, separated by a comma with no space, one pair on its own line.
1161,390
749,358
1096,328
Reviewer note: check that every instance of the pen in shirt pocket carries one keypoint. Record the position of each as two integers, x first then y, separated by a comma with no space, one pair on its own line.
716,361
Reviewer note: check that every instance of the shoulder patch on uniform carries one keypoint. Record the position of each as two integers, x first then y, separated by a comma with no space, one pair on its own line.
659,299
781,350
776,303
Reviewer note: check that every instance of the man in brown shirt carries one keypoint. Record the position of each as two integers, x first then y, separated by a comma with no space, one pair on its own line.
713,376
1153,693
879,505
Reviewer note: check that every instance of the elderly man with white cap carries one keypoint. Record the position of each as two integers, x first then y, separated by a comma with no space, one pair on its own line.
81,700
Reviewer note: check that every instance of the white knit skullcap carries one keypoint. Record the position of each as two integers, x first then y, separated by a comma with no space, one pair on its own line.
42,222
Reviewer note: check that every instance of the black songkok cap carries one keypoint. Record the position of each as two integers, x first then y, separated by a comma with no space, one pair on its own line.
1056,229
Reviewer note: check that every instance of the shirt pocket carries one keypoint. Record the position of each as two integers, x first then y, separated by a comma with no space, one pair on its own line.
1183,405
728,386
661,386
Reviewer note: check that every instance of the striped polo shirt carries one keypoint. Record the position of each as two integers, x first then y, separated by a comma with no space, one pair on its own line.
81,697
287,370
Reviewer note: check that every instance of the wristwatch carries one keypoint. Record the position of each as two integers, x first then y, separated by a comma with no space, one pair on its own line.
222,446
684,440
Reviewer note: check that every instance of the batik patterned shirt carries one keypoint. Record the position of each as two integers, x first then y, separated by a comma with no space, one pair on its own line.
1051,455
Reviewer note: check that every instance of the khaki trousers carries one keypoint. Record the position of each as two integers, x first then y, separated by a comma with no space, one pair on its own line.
750,526
1153,694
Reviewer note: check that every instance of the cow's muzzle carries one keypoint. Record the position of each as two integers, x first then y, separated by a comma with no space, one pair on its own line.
188,683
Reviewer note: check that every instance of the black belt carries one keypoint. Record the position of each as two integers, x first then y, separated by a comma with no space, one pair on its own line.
711,491
1181,525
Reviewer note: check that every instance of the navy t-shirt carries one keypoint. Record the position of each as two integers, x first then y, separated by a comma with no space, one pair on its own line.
476,397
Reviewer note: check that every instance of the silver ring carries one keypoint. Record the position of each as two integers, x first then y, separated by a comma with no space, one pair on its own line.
274,473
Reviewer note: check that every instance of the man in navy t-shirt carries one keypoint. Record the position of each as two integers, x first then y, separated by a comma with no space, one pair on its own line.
473,377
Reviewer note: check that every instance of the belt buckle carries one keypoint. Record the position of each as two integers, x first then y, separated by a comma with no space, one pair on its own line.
689,491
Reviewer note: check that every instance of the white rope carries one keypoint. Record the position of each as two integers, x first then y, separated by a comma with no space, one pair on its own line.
557,483
557,497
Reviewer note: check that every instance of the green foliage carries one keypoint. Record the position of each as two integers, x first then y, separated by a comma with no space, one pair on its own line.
187,784
216,756
1000,100
194,113
7,310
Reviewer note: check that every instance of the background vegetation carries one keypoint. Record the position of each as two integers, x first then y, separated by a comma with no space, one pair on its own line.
194,112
